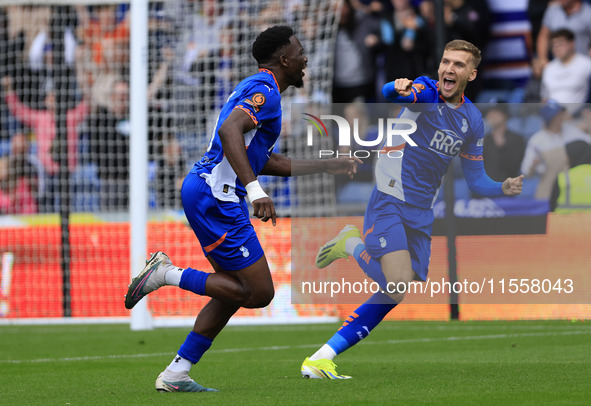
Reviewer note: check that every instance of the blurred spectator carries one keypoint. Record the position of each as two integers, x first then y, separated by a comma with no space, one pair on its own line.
566,78
465,20
217,70
40,53
319,53
44,125
198,34
503,149
170,172
545,153
535,14
4,36
585,119
427,12
371,6
157,94
533,88
358,36
572,190
4,64
104,39
109,127
407,42
469,21
28,52
272,14
574,15
578,153
160,54
109,130
18,179
197,31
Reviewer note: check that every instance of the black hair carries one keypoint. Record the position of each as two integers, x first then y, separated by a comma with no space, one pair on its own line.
501,107
563,33
270,41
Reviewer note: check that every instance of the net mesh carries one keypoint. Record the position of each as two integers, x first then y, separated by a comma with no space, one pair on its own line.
69,62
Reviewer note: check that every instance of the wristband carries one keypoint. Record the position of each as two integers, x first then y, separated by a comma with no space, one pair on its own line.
255,191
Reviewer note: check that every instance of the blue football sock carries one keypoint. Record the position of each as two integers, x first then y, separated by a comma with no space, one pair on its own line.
361,322
194,347
194,281
370,266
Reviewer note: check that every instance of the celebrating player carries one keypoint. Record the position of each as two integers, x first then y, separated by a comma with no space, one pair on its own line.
213,196
399,216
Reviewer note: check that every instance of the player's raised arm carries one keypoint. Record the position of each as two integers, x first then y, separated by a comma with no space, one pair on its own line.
231,134
403,87
280,165
513,186
406,91
399,90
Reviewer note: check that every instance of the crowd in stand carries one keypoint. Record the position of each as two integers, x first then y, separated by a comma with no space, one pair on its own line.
194,64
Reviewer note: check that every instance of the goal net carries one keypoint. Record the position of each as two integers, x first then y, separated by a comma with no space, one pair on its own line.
65,143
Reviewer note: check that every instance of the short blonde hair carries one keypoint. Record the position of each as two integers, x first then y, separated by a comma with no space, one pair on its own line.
461,45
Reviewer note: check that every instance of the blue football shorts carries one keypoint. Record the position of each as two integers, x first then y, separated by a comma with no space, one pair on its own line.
392,225
223,228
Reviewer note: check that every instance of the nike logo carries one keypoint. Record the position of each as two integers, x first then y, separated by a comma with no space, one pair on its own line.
137,293
173,386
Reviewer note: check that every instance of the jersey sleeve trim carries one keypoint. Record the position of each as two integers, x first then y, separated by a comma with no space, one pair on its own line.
471,157
272,74
252,116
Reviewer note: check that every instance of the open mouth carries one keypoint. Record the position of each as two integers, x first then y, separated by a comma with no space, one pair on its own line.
448,83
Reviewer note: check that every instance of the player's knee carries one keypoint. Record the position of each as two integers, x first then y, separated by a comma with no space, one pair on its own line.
398,297
249,297
397,285
260,298
237,294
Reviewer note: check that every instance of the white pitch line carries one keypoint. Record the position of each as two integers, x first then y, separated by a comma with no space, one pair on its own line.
303,346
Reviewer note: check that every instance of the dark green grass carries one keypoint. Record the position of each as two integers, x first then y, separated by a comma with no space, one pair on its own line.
406,363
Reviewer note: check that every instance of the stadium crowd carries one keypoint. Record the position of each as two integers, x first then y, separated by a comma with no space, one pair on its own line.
194,63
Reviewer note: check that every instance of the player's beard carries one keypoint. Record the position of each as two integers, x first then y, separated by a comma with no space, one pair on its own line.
299,83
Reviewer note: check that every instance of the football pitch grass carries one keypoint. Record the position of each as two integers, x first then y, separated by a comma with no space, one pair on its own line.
402,363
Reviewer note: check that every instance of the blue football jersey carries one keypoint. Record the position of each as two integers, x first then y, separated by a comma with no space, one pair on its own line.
443,131
258,96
